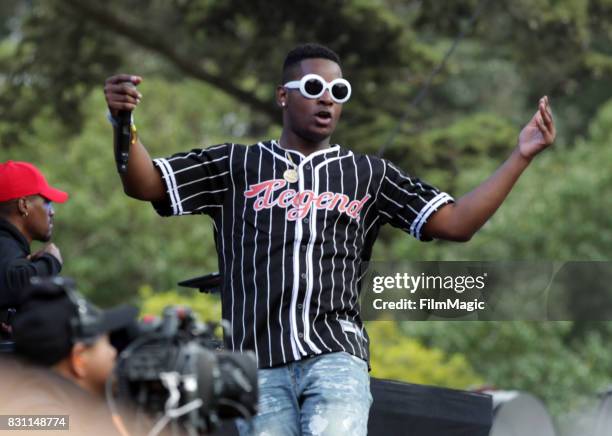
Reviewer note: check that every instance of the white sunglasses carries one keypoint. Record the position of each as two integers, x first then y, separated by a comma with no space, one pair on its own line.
314,86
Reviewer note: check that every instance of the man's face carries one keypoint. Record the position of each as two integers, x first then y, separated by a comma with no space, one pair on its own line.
99,360
39,222
312,119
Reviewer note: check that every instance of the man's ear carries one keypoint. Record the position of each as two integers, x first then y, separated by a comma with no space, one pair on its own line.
281,96
77,360
23,206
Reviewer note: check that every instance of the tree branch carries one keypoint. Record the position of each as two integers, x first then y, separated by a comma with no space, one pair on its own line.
147,38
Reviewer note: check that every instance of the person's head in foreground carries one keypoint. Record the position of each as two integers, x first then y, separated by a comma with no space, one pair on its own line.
57,328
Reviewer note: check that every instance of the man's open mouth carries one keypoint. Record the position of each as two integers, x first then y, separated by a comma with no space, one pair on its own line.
323,117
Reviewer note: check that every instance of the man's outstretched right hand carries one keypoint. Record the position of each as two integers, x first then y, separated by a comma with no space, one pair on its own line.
141,181
120,94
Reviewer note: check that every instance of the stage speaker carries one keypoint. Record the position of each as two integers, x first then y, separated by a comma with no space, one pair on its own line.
418,410
603,421
519,413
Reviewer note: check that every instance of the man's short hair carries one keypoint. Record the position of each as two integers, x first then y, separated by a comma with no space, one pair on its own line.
306,51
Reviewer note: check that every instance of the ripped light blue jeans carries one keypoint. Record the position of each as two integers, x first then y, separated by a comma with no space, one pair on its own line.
326,395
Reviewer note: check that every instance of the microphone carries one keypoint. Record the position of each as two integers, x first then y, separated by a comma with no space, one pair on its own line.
123,137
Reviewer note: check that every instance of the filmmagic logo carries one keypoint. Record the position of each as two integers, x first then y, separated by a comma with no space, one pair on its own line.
413,283
430,304
299,203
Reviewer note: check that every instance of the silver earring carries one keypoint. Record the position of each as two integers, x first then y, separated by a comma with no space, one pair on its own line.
283,104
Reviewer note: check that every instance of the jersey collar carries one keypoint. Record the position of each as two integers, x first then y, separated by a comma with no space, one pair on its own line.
277,149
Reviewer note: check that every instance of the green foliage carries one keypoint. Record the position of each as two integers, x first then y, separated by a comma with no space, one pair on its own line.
206,306
237,46
600,129
209,70
530,356
558,210
399,357
469,140
39,71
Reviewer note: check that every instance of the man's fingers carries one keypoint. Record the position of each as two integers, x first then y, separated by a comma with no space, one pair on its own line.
547,132
546,102
545,112
538,120
544,120
119,78
124,78
120,92
541,125
542,106
122,98
121,107
122,88
119,102
546,116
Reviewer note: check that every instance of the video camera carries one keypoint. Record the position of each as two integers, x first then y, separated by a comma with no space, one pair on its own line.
171,369
174,370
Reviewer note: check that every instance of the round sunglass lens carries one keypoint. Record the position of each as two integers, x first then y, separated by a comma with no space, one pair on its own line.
340,91
313,87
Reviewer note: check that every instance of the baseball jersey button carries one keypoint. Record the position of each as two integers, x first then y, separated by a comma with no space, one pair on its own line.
303,275
307,166
306,220
300,335
300,306
303,248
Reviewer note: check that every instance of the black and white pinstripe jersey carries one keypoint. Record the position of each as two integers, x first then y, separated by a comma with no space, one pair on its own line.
292,254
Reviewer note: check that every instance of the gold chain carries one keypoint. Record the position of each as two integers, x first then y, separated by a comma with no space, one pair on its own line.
288,156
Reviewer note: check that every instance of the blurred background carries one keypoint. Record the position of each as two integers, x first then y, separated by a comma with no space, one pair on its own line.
210,68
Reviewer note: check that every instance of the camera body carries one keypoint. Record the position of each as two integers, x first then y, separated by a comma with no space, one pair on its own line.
174,369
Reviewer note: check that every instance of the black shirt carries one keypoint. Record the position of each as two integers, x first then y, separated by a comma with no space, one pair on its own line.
15,269
292,253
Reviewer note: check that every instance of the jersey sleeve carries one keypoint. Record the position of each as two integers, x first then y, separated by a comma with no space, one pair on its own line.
407,202
196,182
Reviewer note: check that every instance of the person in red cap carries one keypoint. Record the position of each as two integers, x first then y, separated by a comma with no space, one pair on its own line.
26,215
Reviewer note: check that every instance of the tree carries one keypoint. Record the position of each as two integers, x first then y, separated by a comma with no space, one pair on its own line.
236,46
210,68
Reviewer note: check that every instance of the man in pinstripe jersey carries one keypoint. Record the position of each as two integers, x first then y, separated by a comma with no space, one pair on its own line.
295,220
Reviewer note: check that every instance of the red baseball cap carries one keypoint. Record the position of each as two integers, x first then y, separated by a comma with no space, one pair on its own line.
19,179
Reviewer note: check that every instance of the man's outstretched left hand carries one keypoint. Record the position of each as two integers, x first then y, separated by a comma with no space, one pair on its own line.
539,133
